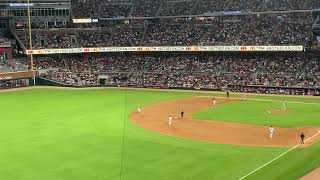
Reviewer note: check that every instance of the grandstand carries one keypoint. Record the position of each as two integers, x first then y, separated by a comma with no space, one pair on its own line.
185,23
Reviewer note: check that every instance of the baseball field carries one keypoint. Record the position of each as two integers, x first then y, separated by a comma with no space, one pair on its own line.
63,134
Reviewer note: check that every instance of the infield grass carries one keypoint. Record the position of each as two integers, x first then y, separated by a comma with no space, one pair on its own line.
64,135
256,112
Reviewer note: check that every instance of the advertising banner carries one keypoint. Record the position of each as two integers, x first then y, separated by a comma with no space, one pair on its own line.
167,49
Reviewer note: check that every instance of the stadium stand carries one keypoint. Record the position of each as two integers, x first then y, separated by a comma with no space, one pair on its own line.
150,8
205,70
274,29
255,25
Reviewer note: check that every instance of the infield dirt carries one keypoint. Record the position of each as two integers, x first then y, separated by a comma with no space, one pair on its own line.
155,118
275,111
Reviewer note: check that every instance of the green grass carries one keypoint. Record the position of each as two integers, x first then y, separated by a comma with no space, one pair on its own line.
255,112
64,135
290,166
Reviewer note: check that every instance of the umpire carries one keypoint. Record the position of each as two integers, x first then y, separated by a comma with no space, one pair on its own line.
302,138
182,113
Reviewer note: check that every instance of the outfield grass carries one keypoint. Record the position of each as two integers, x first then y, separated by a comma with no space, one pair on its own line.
63,135
255,112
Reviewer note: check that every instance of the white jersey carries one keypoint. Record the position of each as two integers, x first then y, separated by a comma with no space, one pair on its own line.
271,129
170,120
139,110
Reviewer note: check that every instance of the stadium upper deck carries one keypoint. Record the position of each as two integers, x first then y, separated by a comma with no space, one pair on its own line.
149,8
275,29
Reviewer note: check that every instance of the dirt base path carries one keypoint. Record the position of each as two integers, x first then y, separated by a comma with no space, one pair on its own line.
155,117
314,175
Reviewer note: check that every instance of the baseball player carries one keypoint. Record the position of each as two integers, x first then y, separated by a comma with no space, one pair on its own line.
283,108
271,130
302,138
214,101
182,114
139,111
170,120
228,93
243,97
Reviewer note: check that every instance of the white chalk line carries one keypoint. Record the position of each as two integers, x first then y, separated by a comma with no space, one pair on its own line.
278,156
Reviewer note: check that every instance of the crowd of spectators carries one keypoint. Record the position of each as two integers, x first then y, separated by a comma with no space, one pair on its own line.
61,76
191,70
47,39
127,34
86,8
143,8
150,8
295,28
240,30
276,90
65,38
312,76
71,78
271,29
47,63
115,10
78,64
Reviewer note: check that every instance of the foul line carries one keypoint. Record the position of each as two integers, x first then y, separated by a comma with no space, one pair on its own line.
279,156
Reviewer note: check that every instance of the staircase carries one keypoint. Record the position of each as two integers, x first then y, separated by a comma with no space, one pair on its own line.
133,5
112,35
146,27
273,32
66,64
159,9
90,66
306,4
18,40
78,79
302,72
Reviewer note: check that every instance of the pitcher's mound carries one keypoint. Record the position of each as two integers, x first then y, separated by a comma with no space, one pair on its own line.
278,111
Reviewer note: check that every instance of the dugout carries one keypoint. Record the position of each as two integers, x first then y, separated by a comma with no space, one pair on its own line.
17,79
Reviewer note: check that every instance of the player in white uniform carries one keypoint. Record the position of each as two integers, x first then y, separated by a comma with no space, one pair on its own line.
139,111
214,101
170,120
283,108
271,130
